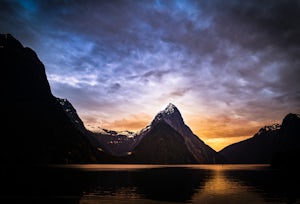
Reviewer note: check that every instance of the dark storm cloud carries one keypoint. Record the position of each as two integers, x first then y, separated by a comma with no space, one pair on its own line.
280,19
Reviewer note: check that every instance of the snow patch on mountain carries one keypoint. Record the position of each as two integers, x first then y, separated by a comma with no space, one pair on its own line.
268,128
125,133
171,116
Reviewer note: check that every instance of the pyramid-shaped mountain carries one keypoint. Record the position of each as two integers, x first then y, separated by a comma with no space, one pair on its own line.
35,128
169,140
276,144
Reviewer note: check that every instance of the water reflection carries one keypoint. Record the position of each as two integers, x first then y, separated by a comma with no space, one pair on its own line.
173,184
272,185
90,184
170,184
220,189
201,184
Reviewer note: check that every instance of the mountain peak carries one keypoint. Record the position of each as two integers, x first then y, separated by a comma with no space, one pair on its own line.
171,108
171,116
291,120
292,116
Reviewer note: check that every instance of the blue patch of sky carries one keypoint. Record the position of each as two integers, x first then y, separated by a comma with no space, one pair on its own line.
28,10
29,5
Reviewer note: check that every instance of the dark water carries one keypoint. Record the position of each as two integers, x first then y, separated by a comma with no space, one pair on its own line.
91,184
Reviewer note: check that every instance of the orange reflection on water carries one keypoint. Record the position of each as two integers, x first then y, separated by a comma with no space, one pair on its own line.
218,184
219,188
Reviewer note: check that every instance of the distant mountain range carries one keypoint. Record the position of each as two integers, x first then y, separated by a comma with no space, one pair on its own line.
41,128
167,140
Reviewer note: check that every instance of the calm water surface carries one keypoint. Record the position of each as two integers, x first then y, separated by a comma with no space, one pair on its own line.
91,184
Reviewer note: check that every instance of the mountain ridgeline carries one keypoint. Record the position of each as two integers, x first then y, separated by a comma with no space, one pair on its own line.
39,128
167,140
276,144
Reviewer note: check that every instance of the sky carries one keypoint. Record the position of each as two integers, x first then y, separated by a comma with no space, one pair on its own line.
230,67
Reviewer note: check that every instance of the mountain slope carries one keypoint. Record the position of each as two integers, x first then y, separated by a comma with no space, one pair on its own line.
35,128
258,149
162,145
114,143
272,144
173,129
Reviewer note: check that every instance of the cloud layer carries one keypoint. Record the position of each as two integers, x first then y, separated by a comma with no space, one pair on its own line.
120,62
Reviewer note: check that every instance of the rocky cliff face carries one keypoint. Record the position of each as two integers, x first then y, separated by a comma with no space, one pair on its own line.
35,128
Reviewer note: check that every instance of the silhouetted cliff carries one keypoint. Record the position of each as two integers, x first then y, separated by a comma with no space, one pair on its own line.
275,144
35,128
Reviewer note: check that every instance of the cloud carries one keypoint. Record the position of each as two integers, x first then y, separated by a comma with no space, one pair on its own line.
75,81
132,122
179,92
213,58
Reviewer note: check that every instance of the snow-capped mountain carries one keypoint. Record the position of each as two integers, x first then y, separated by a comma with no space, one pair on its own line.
166,140
200,151
171,116
170,119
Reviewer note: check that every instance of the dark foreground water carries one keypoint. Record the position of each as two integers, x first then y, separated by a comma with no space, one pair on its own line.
91,184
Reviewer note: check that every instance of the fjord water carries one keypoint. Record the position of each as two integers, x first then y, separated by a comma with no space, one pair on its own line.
91,184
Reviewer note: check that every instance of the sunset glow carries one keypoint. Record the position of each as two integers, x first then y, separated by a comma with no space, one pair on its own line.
230,67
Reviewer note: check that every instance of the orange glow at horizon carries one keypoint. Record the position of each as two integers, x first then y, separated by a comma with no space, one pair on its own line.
217,132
